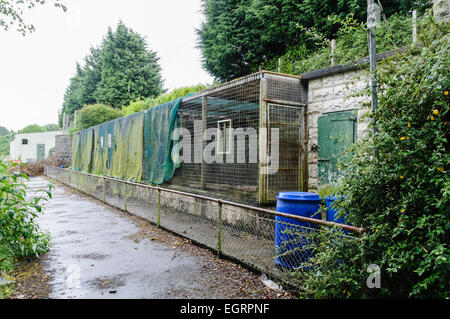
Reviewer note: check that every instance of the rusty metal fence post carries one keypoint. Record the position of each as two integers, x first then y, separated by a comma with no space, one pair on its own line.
104,190
125,197
158,223
219,229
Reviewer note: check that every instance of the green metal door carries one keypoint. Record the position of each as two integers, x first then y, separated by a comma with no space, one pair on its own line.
337,131
40,152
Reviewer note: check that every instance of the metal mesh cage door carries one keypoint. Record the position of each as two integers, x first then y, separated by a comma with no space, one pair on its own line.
287,169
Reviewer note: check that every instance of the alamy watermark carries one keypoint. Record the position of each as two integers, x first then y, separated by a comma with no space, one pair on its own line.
374,279
227,145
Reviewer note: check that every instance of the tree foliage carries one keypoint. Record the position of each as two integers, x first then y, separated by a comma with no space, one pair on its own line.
12,11
32,128
350,45
122,69
238,36
91,115
141,105
19,230
35,128
3,131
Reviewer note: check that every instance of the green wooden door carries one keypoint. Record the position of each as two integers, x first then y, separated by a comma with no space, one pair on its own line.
337,131
40,152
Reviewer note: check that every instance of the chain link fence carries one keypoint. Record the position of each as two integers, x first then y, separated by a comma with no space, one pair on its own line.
286,247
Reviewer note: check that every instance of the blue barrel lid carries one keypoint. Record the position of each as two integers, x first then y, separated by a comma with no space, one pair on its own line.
298,196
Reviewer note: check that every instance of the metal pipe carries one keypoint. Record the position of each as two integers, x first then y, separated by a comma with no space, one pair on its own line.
319,222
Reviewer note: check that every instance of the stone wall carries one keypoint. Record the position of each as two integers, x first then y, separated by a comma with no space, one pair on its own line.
329,93
63,147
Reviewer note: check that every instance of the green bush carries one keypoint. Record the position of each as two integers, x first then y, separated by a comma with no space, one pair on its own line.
32,128
91,115
19,230
36,128
397,184
141,105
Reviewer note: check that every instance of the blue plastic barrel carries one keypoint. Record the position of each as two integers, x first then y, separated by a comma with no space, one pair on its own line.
290,241
333,214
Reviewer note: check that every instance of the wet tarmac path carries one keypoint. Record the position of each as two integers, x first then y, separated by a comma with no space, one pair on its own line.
94,254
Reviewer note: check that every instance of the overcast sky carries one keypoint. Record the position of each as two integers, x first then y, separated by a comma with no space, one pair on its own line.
35,69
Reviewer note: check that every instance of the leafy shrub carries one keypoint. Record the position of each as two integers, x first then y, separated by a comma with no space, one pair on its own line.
141,105
32,128
19,231
91,115
397,184
36,128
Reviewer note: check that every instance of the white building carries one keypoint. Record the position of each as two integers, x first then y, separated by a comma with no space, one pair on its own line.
29,147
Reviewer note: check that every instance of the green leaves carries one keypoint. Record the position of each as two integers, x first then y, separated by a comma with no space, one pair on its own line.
397,184
12,12
18,228
120,71
239,36
91,115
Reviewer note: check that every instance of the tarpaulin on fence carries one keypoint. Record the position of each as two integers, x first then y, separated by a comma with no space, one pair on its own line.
103,148
159,124
117,150
128,147
75,144
82,150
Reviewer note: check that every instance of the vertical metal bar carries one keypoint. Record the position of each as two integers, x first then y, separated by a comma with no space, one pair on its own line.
158,222
104,190
371,23
125,197
414,26
364,290
219,230
262,185
333,48
204,126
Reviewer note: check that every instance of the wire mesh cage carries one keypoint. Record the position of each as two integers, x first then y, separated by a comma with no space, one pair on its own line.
243,140
231,149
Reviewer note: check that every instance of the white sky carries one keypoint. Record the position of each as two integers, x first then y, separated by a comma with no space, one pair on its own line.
35,69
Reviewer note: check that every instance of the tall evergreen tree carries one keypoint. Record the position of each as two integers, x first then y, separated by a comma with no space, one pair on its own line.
129,71
72,96
121,70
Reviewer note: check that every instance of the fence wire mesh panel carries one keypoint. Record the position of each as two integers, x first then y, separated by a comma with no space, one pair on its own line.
142,201
115,193
289,121
95,187
285,248
190,217
221,155
231,115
